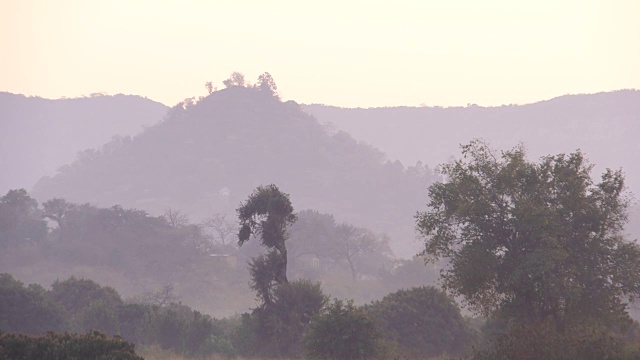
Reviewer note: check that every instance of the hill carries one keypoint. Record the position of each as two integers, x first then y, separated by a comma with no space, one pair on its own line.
604,125
207,156
39,135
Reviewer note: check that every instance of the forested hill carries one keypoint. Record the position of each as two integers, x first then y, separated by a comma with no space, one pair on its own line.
605,126
39,135
208,156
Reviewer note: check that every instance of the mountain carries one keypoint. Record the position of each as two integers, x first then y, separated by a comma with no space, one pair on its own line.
208,156
605,126
39,135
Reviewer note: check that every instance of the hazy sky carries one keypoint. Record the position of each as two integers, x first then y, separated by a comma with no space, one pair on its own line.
346,53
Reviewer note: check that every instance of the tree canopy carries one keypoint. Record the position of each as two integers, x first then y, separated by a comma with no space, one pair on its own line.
268,213
533,240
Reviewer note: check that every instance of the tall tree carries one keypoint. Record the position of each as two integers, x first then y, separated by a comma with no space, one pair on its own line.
267,85
533,241
267,213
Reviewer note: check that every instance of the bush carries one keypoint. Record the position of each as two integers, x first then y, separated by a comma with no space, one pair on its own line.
27,309
343,331
54,346
278,328
543,341
422,322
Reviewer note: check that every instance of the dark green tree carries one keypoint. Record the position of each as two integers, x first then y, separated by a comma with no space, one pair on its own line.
27,309
343,331
267,213
236,79
21,221
533,240
423,322
267,85
283,325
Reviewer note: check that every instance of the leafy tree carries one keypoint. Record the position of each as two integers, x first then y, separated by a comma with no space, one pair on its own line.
282,326
422,321
27,309
75,295
236,79
343,331
267,85
21,221
267,213
58,210
533,241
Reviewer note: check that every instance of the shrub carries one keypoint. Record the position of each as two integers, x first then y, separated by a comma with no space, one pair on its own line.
27,309
543,341
54,346
343,331
422,321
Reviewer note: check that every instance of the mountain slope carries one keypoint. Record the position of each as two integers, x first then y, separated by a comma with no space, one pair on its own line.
605,126
39,135
208,157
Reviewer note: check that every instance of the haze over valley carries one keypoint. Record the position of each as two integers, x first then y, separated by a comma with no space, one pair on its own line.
417,180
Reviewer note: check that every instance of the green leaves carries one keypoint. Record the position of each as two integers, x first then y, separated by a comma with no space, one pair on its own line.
343,331
532,240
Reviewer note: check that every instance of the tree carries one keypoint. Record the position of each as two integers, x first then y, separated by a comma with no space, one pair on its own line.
267,213
175,218
267,85
221,229
57,210
236,79
209,86
27,309
343,331
423,321
21,221
533,241
352,243
281,327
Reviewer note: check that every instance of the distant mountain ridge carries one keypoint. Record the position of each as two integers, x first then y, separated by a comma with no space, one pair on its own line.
39,135
605,126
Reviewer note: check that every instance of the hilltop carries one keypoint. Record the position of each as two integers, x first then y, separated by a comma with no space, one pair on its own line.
38,135
206,156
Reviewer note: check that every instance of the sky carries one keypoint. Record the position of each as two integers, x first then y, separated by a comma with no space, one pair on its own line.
343,53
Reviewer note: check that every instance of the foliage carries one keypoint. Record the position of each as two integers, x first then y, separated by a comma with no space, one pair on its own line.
281,327
236,79
343,331
267,213
27,309
267,85
52,346
543,341
422,322
317,236
21,221
533,240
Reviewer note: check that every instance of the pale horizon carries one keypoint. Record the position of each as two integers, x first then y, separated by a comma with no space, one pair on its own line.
355,54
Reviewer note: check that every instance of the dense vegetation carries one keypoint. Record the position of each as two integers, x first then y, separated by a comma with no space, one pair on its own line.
539,244
140,255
